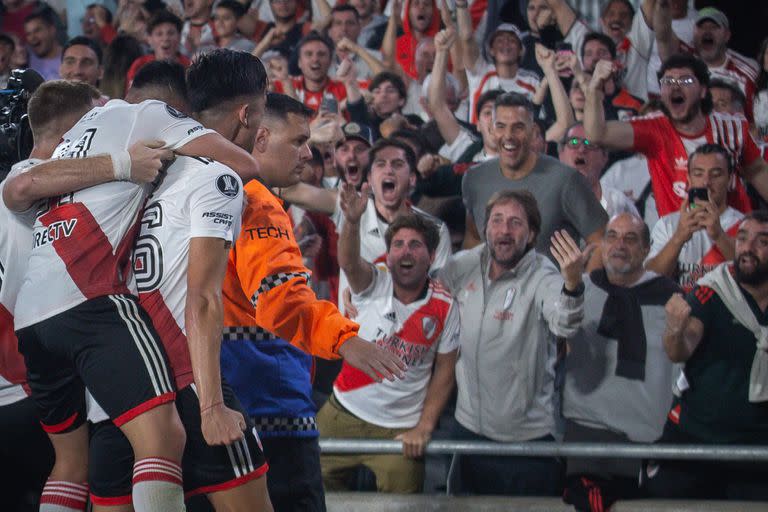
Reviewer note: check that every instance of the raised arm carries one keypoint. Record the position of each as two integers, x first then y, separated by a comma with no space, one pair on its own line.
756,174
564,14
682,333
141,163
358,271
204,317
563,111
466,35
666,41
446,122
613,135
389,42
665,261
373,63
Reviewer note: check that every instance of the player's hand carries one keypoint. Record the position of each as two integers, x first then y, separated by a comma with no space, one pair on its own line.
353,203
678,311
688,224
445,39
148,159
572,260
544,57
221,425
372,360
415,441
603,71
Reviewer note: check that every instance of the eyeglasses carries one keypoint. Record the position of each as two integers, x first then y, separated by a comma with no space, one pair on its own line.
685,81
575,142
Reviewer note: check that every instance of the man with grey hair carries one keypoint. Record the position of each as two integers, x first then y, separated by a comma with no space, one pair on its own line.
513,303
618,381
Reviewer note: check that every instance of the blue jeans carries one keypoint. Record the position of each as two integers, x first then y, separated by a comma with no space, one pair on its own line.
510,476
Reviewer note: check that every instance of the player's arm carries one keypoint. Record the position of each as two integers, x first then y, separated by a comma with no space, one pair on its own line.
203,317
613,135
438,392
682,333
310,198
216,147
469,46
358,271
141,163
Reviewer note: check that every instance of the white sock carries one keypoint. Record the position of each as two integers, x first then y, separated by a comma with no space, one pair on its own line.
61,496
157,486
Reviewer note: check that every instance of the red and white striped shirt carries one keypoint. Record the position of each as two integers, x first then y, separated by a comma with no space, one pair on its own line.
667,152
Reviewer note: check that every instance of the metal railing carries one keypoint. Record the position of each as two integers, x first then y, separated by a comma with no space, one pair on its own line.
554,449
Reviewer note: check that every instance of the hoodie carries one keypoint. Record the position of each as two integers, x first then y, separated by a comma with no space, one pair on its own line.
405,46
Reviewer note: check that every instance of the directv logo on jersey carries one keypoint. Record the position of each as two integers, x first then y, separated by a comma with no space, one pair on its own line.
227,185
59,229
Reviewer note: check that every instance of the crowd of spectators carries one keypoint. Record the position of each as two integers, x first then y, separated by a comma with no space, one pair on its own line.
507,208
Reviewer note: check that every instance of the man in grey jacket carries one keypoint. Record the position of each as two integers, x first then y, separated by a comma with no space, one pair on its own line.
513,303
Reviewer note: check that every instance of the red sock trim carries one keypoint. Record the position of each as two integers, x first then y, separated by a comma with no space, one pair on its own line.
111,501
230,484
142,408
67,494
157,469
59,427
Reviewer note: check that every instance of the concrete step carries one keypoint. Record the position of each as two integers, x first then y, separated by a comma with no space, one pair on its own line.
375,502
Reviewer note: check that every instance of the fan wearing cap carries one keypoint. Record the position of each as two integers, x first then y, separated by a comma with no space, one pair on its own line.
352,153
711,34
505,49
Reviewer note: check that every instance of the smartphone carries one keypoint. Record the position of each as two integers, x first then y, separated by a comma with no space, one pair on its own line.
697,193
329,104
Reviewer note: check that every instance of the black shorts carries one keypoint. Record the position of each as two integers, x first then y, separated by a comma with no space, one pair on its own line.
205,468
107,344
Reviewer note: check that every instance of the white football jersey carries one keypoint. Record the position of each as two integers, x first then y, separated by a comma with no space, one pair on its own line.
373,247
698,255
15,236
415,333
82,241
197,198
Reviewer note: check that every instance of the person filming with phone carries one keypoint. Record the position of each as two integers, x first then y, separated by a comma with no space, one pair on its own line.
692,241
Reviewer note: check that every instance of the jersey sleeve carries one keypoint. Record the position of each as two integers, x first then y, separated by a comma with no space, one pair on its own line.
169,125
379,286
449,339
647,135
444,249
701,300
216,205
271,272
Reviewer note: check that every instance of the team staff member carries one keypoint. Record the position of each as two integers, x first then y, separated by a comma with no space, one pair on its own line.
273,320
718,332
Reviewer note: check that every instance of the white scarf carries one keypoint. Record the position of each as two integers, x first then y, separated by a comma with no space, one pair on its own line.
722,282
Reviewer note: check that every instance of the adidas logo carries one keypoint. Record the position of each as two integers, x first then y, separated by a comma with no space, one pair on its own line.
374,231
390,316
